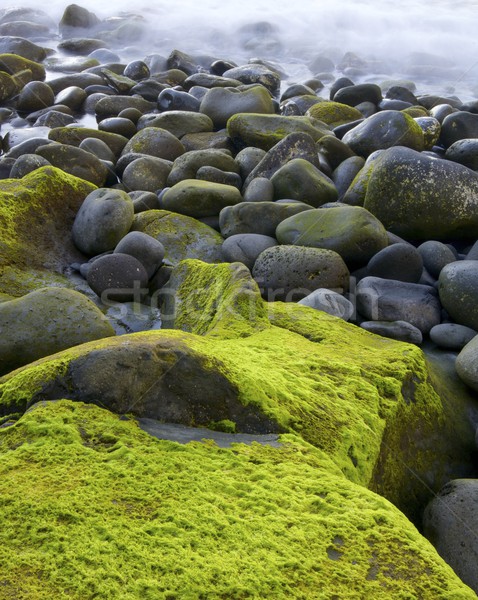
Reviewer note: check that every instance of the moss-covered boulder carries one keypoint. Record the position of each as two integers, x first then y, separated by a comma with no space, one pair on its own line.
300,180
14,65
181,122
334,113
199,199
264,131
155,141
75,135
36,217
421,198
44,322
351,231
220,104
187,165
182,236
145,517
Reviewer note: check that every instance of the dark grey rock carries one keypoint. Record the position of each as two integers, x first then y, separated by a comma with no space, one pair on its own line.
300,180
345,173
435,256
400,261
118,125
147,249
259,189
171,99
248,159
75,161
458,288
146,173
451,335
26,164
155,141
215,175
355,94
401,331
118,278
465,152
199,199
34,96
99,148
246,247
144,200
187,165
460,125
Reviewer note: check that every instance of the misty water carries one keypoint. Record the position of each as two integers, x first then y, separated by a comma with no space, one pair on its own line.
433,44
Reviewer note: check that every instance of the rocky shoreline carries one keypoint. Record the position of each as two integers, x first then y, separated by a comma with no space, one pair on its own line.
191,240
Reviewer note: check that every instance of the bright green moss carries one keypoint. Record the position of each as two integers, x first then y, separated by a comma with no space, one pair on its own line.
334,113
94,507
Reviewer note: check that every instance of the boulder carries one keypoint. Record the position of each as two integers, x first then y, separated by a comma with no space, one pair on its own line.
330,302
220,104
145,248
334,113
451,335
459,125
75,161
300,180
396,330
187,165
155,141
467,364
198,199
458,288
400,261
118,277
246,247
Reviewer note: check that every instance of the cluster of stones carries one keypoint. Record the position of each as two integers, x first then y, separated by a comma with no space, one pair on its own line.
362,202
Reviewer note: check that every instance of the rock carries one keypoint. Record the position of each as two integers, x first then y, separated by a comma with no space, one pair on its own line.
460,125
170,99
187,165
255,73
388,300
76,18
383,130
144,248
118,278
355,94
345,173
218,140
70,64
330,302
182,236
458,289
450,522
147,173
179,122
257,217
402,262
265,131
215,175
199,199
467,364
248,159
26,164
300,180
16,65
396,330
118,126
144,200
259,189
451,335
289,273
246,247
22,47
104,218
431,131
81,80
422,198
8,86
53,119
155,141
111,106
465,152
60,318
334,150
334,113
74,136
34,96
132,317
351,231
435,256
75,161
81,45
99,148
219,104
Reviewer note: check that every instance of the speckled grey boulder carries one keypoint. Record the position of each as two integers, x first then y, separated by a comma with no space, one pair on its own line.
155,141
400,261
451,335
219,104
147,249
75,161
246,247
118,278
104,218
187,165
146,173
435,256
330,302
44,322
458,288
467,364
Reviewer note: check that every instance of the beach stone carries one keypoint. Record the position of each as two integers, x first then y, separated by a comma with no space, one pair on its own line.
388,300
76,17
198,199
74,136
259,189
146,173
81,45
467,364
460,125
257,217
27,137
187,165
60,318
330,302
451,335
294,145
441,111
334,150
178,122
248,159
111,106
265,131
35,95
396,330
75,161
383,130
26,164
246,247
402,262
170,99
81,80
208,80
431,131
70,64
356,94
351,231
255,73
8,86
103,219
155,141
208,140
473,252
400,92
17,65
118,278
143,200
215,175
22,47
465,152
450,522
289,273
435,256
53,119
118,126
300,180
334,113
182,236
421,198
345,174
219,104
132,317
145,248
149,89
458,289
99,148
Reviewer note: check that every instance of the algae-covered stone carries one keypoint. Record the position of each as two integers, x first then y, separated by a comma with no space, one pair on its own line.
198,199
351,231
431,131
264,131
219,104
300,180
155,142
181,122
182,236
383,130
103,219
14,64
421,198
186,166
147,173
36,216
334,113
44,322
75,135
8,86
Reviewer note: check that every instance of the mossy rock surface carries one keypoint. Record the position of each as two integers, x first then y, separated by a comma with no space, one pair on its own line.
75,135
36,217
95,506
300,180
14,65
334,113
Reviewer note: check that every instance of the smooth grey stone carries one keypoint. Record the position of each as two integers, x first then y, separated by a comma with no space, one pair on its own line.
458,289
199,199
132,317
144,201
260,189
76,18
26,164
215,175
81,80
99,148
103,55
341,82
400,261
137,70
330,302
146,173
397,92
334,150
147,249
149,89
459,126
22,47
29,146
435,255
72,96
187,165
289,273
401,331
473,252
345,173
248,159
355,94
111,106
177,122
118,125
467,364
75,161
103,219
300,180
219,104
451,335
255,73
450,522
246,247
34,96
367,108
155,141
53,119
388,300
441,111
81,45
14,137
171,99
464,152
118,278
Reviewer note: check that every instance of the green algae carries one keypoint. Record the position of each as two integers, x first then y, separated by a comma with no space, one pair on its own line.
334,113
94,507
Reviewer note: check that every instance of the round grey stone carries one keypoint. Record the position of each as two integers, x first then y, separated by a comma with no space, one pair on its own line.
435,256
451,335
147,249
330,302
458,289
118,278
401,331
246,247
400,261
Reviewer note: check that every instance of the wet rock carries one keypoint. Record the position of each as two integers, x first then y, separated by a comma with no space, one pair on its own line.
402,262
76,17
155,141
187,165
170,99
111,106
248,159
451,336
260,189
70,64
118,278
22,47
214,175
148,250
465,152
177,122
396,330
199,199
431,131
81,80
53,119
300,180
458,289
246,247
435,256
330,302
334,113
75,161
34,96
334,150
81,46
219,104
119,126
26,164
144,200
8,86
256,73
99,148
73,136
17,65
460,125
147,173
355,94
345,173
